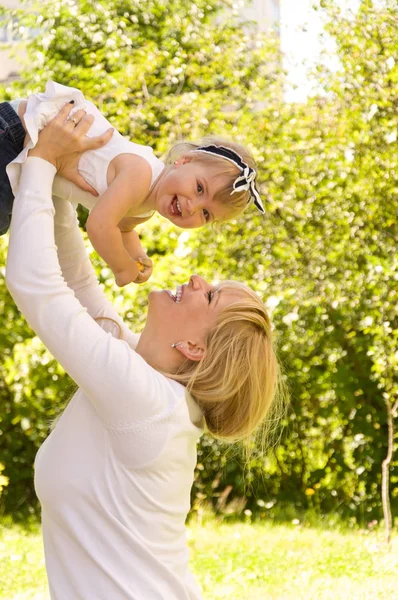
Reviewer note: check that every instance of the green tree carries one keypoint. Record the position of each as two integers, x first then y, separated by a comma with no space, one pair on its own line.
159,70
323,258
326,259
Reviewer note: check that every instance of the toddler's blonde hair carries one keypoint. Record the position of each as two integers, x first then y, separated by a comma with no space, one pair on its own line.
239,199
238,382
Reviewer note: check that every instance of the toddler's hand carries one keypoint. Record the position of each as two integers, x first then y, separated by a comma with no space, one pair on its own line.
144,274
123,278
134,274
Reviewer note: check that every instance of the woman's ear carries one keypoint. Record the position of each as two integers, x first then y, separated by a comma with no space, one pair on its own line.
190,350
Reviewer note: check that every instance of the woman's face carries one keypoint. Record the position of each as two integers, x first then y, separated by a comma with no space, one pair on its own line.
187,314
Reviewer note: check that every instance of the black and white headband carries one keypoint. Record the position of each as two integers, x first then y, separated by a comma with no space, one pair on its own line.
246,180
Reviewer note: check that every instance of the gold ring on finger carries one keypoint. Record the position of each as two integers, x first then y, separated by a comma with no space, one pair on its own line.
73,121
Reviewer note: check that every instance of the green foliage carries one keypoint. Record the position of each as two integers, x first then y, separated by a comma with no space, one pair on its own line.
324,257
161,70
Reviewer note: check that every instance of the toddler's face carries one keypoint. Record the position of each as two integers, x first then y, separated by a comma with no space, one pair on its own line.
185,193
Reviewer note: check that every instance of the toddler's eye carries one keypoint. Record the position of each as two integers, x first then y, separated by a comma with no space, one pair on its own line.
206,214
210,296
199,187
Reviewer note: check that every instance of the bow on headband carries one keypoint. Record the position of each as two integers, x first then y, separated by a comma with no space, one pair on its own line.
247,178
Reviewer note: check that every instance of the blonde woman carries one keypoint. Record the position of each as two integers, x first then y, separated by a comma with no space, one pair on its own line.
114,476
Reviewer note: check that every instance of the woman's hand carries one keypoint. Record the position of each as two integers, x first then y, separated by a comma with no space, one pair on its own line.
63,140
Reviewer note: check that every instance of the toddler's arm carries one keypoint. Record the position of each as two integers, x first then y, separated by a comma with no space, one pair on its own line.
126,190
79,274
131,242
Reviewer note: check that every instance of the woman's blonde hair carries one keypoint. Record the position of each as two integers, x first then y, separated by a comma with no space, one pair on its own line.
238,200
238,383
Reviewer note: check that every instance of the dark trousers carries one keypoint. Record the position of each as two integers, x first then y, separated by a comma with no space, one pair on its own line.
12,135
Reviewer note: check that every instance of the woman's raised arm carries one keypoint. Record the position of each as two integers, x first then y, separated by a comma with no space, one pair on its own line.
124,389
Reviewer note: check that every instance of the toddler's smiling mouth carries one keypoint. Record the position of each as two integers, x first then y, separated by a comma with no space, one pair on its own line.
175,207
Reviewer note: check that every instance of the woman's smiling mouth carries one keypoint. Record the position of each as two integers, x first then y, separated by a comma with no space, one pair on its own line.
178,295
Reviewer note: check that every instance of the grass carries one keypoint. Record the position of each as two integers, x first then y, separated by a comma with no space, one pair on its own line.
243,562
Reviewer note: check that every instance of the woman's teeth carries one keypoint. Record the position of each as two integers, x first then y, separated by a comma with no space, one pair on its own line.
177,296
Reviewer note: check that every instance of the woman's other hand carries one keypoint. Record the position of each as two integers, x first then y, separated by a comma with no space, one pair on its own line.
63,140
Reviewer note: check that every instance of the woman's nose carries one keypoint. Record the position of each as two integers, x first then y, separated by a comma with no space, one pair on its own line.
197,282
193,281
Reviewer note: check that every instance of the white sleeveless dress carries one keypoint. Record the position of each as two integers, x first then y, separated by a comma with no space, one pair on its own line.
93,164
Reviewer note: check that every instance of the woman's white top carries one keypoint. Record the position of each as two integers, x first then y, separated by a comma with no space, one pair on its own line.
93,164
114,476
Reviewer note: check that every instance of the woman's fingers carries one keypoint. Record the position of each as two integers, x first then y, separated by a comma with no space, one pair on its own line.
98,141
77,117
63,113
66,135
82,123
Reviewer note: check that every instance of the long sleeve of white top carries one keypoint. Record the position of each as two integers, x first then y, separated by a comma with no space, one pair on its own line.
125,391
67,190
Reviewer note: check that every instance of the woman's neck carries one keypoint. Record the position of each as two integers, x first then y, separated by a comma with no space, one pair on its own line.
158,353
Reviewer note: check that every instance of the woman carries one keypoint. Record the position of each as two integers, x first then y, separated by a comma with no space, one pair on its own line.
114,476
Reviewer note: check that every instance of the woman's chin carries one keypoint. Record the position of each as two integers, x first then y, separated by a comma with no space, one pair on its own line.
153,294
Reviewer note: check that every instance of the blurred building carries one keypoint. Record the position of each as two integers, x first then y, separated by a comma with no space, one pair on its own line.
265,12
9,66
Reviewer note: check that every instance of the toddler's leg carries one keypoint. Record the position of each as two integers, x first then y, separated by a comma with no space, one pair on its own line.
12,135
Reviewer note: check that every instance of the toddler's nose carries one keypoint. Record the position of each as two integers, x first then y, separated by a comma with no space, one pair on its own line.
193,207
190,207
